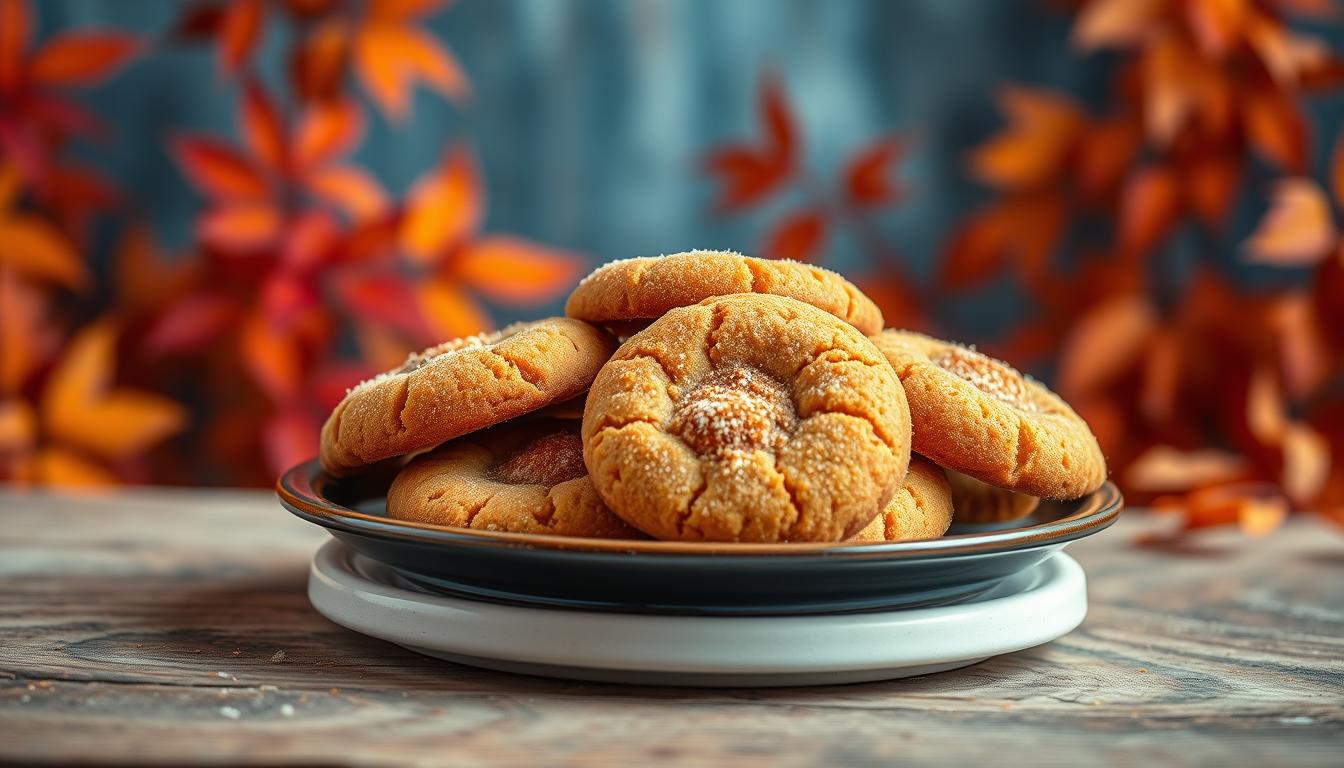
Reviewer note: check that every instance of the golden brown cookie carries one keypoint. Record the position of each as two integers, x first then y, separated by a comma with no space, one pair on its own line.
461,386
977,415
748,417
624,292
524,477
977,502
921,509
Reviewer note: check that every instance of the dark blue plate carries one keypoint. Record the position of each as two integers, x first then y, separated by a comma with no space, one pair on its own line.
688,578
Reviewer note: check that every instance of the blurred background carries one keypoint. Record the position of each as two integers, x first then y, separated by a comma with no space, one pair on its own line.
217,216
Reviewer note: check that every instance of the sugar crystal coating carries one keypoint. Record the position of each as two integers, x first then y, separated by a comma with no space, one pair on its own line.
994,378
737,407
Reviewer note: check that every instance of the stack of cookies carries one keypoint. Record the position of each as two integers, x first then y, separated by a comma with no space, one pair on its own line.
749,400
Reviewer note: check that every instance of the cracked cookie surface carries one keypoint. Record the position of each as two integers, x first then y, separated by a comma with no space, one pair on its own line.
524,477
749,417
625,293
461,386
981,417
921,509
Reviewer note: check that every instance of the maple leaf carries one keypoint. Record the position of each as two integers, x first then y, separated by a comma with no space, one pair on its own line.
748,172
438,233
1036,147
798,237
868,178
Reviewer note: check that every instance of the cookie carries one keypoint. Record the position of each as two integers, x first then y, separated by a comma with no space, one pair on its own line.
461,386
524,477
977,502
980,416
921,509
623,293
748,417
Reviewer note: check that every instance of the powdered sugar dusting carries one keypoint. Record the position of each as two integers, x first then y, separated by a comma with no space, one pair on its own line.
734,409
994,378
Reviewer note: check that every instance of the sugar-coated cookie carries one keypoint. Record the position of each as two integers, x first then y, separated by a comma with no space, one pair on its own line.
980,416
748,417
461,386
624,293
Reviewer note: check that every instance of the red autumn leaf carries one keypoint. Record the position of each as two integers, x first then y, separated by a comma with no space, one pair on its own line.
868,177
749,173
1337,170
443,209
1211,186
1106,150
240,228
799,236
289,437
1149,207
218,170
384,299
15,28
240,26
1299,228
318,63
515,271
310,239
1036,145
196,320
85,58
1023,228
1276,128
402,10
1285,55
81,407
261,127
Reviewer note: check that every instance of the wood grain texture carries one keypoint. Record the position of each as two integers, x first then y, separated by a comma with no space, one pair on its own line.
172,627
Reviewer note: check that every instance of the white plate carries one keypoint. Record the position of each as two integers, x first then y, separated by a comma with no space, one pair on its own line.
1033,607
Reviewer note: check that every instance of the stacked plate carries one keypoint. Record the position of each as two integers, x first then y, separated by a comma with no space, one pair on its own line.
694,614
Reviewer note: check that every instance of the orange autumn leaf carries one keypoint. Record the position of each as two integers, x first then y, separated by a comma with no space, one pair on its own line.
1039,139
515,271
1217,24
391,56
800,236
1336,177
55,466
35,248
1306,463
1115,23
83,58
351,189
1255,512
326,131
449,311
1163,469
261,127
271,358
1022,229
1211,186
318,63
27,337
243,227
1276,128
81,407
1299,228
218,170
443,209
18,427
1103,343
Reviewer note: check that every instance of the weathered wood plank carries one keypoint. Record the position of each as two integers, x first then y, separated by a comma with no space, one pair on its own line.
172,626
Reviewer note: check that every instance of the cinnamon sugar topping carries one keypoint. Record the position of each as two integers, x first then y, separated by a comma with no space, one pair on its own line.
994,378
547,460
735,408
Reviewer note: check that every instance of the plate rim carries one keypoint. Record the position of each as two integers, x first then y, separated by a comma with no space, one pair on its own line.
299,493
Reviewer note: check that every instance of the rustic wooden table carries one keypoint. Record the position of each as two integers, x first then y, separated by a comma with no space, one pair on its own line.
172,627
